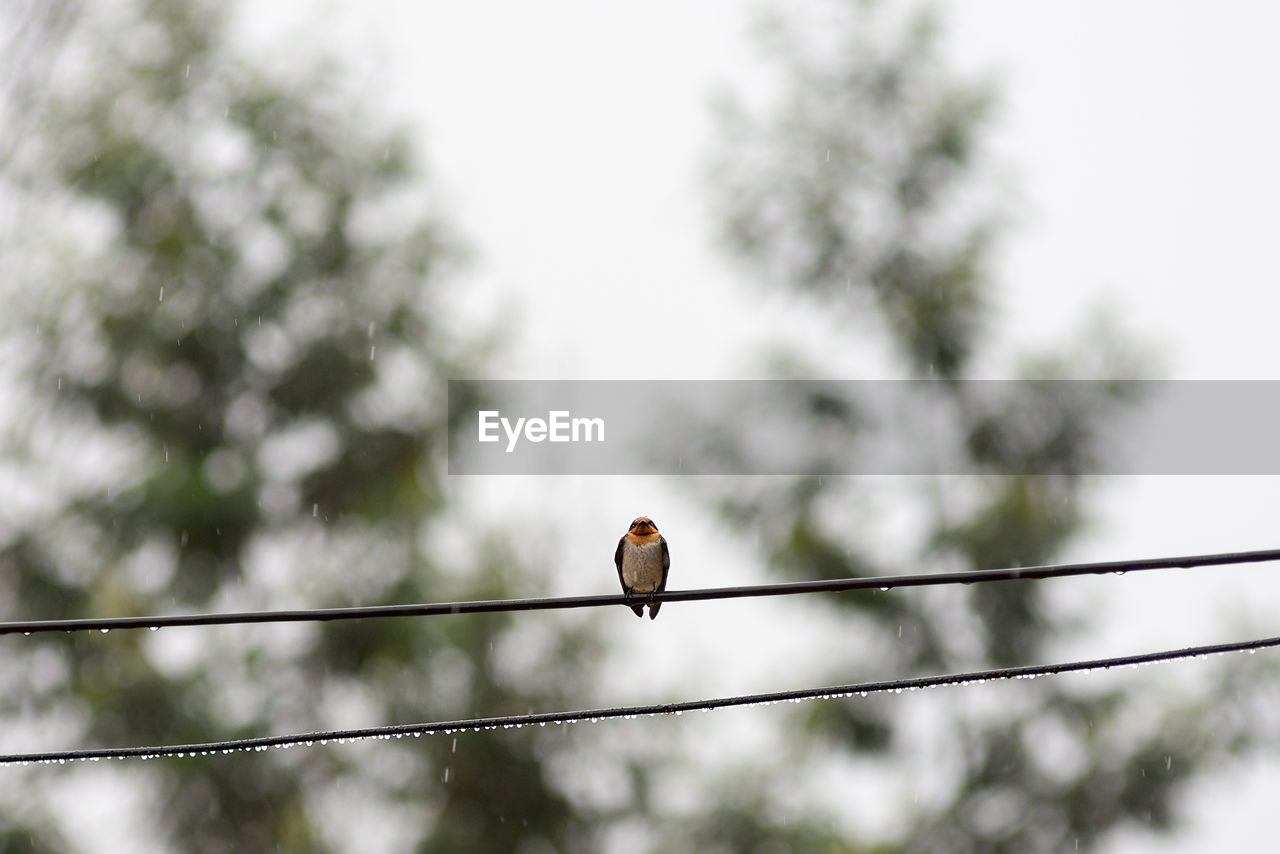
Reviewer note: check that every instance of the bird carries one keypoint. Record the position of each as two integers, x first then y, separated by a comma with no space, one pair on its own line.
643,560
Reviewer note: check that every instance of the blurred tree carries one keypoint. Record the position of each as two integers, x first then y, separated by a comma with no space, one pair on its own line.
225,340
857,182
225,332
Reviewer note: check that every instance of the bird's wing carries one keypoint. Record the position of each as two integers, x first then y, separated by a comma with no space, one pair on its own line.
617,559
666,563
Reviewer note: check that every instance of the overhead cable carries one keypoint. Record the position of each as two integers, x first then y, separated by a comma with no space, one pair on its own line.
628,712
835,585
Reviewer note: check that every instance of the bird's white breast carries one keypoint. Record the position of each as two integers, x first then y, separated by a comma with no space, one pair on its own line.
642,566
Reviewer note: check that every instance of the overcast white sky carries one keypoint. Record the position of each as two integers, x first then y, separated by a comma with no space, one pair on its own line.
1141,136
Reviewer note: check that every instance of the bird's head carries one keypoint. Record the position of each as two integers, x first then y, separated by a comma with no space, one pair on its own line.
642,527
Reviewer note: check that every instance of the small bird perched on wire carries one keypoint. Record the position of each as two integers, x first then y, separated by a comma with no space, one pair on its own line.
643,561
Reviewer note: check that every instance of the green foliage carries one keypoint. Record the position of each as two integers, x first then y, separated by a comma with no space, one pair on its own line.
859,174
226,336
234,389
858,184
